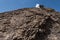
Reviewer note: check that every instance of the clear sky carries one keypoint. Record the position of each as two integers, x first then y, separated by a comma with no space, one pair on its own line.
8,5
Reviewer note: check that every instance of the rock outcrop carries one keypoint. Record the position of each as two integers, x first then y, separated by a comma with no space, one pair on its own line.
30,24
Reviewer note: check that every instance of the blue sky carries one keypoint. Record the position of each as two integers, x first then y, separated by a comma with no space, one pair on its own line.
8,5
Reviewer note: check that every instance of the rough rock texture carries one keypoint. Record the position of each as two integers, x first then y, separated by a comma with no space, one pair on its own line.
30,24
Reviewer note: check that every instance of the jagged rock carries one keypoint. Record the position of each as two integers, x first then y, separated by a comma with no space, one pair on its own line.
30,24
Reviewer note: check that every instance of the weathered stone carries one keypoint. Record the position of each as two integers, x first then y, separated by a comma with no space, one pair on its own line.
30,24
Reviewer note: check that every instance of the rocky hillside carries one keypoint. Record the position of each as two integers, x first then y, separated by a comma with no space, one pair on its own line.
30,24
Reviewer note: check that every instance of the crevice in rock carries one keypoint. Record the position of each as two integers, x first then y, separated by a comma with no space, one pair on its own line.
46,26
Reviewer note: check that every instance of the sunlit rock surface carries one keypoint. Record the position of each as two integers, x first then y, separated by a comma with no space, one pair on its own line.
30,24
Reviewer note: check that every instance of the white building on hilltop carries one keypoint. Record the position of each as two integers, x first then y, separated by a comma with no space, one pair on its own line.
37,6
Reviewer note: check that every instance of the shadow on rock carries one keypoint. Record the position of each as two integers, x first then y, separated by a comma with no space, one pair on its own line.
46,26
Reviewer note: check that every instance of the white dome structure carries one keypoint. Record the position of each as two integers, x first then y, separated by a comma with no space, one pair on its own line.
37,6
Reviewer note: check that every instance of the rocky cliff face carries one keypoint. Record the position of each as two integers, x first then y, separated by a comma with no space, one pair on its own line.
30,24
